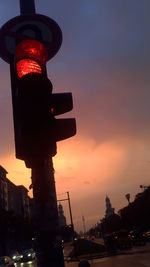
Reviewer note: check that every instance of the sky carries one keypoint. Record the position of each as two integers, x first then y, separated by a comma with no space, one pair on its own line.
104,61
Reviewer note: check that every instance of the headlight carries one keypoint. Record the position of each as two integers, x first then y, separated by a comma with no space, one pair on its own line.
21,256
14,257
29,254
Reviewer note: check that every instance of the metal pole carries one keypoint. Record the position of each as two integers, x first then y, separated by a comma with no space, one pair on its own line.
72,225
27,7
48,244
84,228
70,213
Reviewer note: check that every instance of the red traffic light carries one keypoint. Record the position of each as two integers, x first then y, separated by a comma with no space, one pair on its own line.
31,56
26,66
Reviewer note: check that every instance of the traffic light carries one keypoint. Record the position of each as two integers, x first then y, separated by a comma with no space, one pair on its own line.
35,107
61,103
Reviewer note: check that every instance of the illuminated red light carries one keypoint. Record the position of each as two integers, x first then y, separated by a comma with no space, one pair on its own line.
26,66
52,110
31,56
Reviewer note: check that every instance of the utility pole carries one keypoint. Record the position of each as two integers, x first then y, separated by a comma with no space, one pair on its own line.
26,46
84,227
70,211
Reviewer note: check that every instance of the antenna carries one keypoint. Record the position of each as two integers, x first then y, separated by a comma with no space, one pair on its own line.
84,227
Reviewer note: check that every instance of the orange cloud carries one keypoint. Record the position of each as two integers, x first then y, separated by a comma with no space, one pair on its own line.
89,170
85,162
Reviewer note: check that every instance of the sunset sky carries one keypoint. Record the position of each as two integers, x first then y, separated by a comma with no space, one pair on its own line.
104,61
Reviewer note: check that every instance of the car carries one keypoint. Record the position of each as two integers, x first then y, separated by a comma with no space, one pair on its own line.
28,255
147,236
6,261
138,238
110,243
122,240
17,257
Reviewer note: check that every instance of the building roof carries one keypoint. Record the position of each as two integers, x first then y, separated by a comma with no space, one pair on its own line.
22,188
3,170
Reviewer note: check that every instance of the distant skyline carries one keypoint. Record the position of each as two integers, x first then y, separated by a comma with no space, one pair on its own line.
105,62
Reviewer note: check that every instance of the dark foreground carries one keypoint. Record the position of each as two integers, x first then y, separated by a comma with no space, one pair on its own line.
136,257
134,260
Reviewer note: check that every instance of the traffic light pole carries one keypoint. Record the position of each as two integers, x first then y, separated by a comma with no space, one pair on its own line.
48,244
27,7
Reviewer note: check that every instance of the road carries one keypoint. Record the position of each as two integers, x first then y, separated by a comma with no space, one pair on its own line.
137,257
135,260
68,247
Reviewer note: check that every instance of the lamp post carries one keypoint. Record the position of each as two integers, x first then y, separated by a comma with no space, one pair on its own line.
70,212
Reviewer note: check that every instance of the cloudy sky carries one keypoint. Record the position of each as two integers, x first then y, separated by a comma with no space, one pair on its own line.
105,62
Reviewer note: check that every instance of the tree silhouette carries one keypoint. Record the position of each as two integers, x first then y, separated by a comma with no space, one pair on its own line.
128,198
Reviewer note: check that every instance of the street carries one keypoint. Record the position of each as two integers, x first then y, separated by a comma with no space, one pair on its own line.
68,247
135,260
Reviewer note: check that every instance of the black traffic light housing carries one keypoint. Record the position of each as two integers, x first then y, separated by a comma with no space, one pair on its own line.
62,103
34,109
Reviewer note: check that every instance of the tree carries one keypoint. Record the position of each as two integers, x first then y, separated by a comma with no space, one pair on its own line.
128,197
137,214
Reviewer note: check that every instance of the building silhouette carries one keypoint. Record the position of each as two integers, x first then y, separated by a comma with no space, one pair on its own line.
62,218
109,209
12,197
3,189
15,198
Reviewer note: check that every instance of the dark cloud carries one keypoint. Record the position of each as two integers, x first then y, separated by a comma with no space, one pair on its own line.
104,61
105,57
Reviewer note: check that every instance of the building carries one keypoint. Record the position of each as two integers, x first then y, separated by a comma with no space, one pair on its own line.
109,209
3,189
18,200
24,200
62,218
12,197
